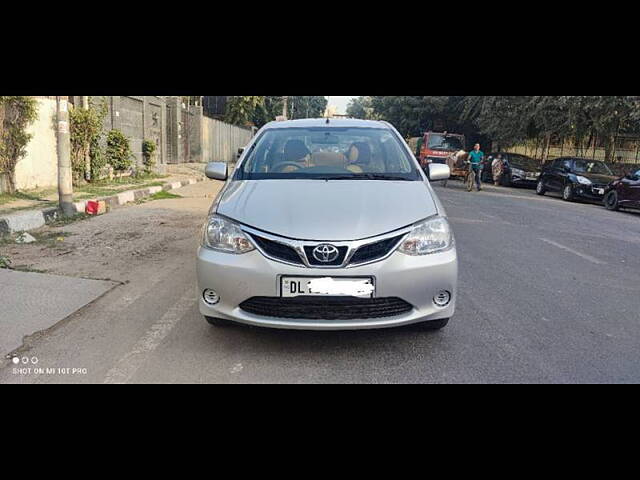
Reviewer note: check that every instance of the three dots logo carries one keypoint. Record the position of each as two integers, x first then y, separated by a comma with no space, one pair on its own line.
25,360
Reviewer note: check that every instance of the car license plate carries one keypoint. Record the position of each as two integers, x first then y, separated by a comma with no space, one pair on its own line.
363,287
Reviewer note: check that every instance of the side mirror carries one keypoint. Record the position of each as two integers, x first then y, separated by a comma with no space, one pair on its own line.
216,170
439,171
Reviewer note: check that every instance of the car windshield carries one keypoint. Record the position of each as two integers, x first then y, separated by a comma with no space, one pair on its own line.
445,143
586,166
328,153
524,163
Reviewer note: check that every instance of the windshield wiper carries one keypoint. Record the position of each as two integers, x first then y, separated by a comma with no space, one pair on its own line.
365,176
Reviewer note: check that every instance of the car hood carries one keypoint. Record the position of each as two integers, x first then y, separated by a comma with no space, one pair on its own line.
597,178
327,210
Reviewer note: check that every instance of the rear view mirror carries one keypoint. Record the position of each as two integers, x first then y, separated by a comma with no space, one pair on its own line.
216,170
438,171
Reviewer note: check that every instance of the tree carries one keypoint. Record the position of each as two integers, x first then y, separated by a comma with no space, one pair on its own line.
412,116
241,110
306,107
16,113
361,107
85,127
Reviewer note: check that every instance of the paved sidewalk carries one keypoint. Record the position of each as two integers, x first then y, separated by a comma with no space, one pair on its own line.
32,302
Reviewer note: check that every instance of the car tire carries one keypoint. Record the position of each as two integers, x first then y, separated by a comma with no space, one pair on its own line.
217,322
540,188
433,324
611,201
567,193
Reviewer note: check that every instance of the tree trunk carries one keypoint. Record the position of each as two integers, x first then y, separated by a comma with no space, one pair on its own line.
7,183
545,148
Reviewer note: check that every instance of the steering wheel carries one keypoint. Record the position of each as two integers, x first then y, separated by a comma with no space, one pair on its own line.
279,166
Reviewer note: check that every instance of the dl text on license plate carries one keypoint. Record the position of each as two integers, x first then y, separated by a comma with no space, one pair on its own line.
335,286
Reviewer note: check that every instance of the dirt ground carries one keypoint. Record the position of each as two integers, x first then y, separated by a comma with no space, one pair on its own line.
114,245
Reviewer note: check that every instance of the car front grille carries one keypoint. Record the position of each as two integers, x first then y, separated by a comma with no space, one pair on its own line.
326,308
374,251
278,250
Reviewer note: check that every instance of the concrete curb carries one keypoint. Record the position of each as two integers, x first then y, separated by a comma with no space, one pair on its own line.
33,219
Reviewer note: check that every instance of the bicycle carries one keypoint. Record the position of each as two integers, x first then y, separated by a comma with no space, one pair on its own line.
469,177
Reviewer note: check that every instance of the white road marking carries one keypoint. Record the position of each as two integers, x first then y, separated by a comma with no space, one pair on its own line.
466,220
127,366
237,368
571,250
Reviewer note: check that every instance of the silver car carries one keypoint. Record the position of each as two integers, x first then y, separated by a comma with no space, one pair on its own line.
327,224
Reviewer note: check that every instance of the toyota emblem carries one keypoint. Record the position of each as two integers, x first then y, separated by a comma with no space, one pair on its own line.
325,253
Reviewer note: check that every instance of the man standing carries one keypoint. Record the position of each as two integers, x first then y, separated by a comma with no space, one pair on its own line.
497,169
475,158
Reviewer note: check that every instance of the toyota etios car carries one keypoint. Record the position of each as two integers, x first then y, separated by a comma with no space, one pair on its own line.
326,225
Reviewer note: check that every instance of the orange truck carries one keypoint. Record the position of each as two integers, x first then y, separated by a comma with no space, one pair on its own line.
436,147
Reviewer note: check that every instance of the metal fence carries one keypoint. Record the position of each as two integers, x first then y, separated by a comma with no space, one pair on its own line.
626,151
221,141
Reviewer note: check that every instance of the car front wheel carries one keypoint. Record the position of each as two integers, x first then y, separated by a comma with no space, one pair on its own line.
611,200
567,193
540,190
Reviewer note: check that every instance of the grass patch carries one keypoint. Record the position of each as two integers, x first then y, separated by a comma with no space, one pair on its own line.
5,262
111,188
34,196
162,195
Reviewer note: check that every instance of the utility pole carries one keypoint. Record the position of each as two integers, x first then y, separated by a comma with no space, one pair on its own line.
87,157
284,107
65,177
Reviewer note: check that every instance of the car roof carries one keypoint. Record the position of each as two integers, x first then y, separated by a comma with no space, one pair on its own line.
332,122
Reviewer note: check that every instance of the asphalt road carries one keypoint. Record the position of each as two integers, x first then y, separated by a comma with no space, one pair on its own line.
549,292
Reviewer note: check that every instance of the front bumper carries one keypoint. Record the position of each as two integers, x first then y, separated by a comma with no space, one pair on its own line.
415,279
590,193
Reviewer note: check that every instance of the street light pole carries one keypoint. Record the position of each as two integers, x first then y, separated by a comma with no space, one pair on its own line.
87,156
65,176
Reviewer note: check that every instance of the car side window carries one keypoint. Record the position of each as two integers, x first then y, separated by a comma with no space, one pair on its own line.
566,164
637,175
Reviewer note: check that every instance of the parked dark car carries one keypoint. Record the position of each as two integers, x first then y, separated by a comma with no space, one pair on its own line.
624,192
520,170
575,178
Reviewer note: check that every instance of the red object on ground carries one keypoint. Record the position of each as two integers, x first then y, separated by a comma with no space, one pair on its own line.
91,208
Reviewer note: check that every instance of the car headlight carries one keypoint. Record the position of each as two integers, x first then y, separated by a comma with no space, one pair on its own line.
517,172
583,180
224,235
430,236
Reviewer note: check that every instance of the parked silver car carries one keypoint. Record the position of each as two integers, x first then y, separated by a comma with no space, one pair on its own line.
327,225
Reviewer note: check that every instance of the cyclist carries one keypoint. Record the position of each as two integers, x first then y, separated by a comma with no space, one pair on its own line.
475,158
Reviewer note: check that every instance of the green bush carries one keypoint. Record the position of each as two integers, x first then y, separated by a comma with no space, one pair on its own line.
148,152
16,113
85,131
118,152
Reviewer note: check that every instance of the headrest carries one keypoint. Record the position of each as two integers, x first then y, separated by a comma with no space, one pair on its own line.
295,150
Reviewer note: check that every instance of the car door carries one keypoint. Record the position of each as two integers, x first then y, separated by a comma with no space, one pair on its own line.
555,177
634,189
